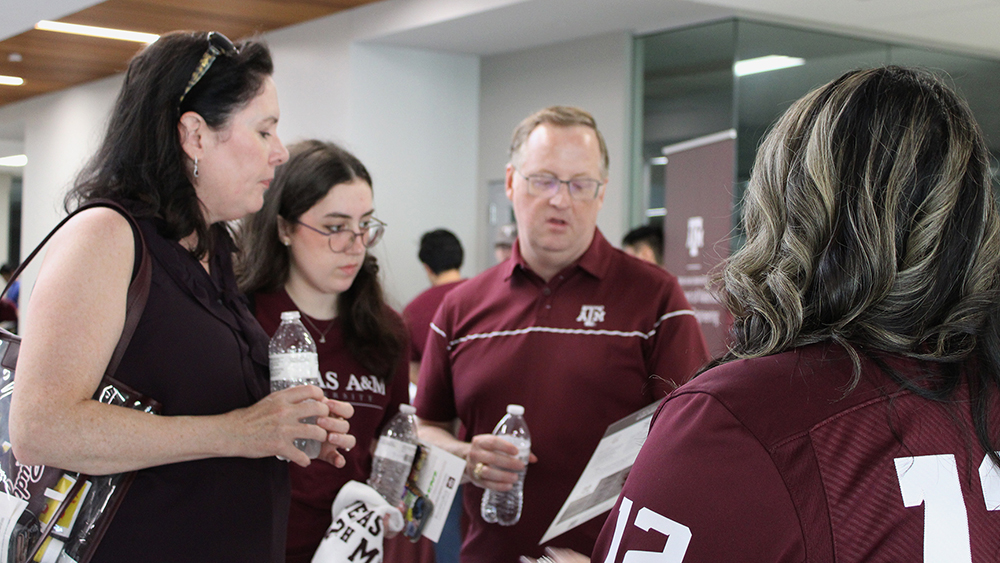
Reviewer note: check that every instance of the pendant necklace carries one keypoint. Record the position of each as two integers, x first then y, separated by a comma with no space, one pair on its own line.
322,333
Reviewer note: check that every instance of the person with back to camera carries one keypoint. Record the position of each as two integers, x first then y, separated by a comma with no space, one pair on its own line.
645,243
306,250
441,256
572,329
191,144
855,418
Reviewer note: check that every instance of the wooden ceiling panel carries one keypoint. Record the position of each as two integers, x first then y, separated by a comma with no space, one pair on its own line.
53,61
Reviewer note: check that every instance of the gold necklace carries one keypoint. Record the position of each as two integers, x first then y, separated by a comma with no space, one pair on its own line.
322,333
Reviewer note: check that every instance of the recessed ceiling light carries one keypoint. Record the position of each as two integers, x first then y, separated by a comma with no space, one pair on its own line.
15,57
11,80
16,160
92,31
765,64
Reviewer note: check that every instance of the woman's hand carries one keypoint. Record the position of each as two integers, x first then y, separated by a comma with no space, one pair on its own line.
269,427
336,426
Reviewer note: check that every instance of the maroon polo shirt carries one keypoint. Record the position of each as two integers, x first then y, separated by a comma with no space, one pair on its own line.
766,461
605,337
419,313
374,401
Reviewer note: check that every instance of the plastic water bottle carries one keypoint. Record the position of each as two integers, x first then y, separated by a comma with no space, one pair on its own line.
505,508
397,447
293,360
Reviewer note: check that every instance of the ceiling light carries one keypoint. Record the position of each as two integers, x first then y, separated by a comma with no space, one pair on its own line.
16,160
92,31
765,64
11,80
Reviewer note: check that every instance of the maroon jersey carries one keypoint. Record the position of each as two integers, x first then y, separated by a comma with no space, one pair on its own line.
419,313
374,401
766,460
602,339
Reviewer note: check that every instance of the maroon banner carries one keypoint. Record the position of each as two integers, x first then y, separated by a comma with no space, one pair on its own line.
699,201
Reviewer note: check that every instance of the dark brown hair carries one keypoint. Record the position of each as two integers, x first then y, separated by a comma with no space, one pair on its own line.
140,162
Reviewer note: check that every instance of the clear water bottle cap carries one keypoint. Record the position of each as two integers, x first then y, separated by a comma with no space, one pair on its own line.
289,315
407,409
515,410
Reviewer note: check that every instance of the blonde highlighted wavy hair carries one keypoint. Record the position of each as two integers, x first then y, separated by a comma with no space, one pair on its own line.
871,222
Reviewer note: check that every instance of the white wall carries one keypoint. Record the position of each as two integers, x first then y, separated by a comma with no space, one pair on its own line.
593,73
414,122
411,116
61,131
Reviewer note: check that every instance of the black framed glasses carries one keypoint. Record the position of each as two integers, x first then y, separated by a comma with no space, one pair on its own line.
341,239
218,44
547,185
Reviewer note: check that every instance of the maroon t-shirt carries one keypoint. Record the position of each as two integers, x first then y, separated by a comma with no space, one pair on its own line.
344,379
604,338
765,460
419,313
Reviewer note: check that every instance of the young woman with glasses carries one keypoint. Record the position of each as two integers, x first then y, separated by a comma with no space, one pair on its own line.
191,144
307,250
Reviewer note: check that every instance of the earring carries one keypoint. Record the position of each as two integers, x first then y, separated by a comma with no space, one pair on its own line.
195,167
286,242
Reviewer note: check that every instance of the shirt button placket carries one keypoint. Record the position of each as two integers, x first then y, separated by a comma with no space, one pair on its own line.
547,301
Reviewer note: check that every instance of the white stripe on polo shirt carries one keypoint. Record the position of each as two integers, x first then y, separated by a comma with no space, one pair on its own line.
553,330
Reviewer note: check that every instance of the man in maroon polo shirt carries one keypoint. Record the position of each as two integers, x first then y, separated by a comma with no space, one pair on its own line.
571,328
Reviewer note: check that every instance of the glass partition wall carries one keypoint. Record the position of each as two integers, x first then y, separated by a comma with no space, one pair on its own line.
699,88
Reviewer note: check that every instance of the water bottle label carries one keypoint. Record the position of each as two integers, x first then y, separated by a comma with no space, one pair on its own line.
298,366
396,450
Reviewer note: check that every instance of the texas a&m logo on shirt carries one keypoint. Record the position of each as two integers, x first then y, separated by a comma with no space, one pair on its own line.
590,315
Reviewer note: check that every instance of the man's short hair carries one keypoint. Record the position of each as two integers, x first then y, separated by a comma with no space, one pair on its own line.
563,116
650,235
441,251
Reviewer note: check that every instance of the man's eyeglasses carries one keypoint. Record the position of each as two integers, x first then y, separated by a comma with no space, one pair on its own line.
218,44
546,185
341,239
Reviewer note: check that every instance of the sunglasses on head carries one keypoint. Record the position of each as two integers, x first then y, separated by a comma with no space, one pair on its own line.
218,44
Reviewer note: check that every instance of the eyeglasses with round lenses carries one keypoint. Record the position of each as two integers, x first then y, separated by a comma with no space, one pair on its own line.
218,44
546,185
341,239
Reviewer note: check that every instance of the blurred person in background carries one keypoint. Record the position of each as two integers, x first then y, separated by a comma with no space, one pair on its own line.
645,243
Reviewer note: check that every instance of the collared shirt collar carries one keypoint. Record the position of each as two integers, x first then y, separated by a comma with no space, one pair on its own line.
595,260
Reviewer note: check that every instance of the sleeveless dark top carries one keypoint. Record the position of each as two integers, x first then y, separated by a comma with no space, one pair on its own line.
198,351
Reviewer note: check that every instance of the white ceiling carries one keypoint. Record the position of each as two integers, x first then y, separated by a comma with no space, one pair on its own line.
486,27
21,15
969,26
499,26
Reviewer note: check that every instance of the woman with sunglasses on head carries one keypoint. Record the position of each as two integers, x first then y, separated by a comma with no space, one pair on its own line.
191,143
307,250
